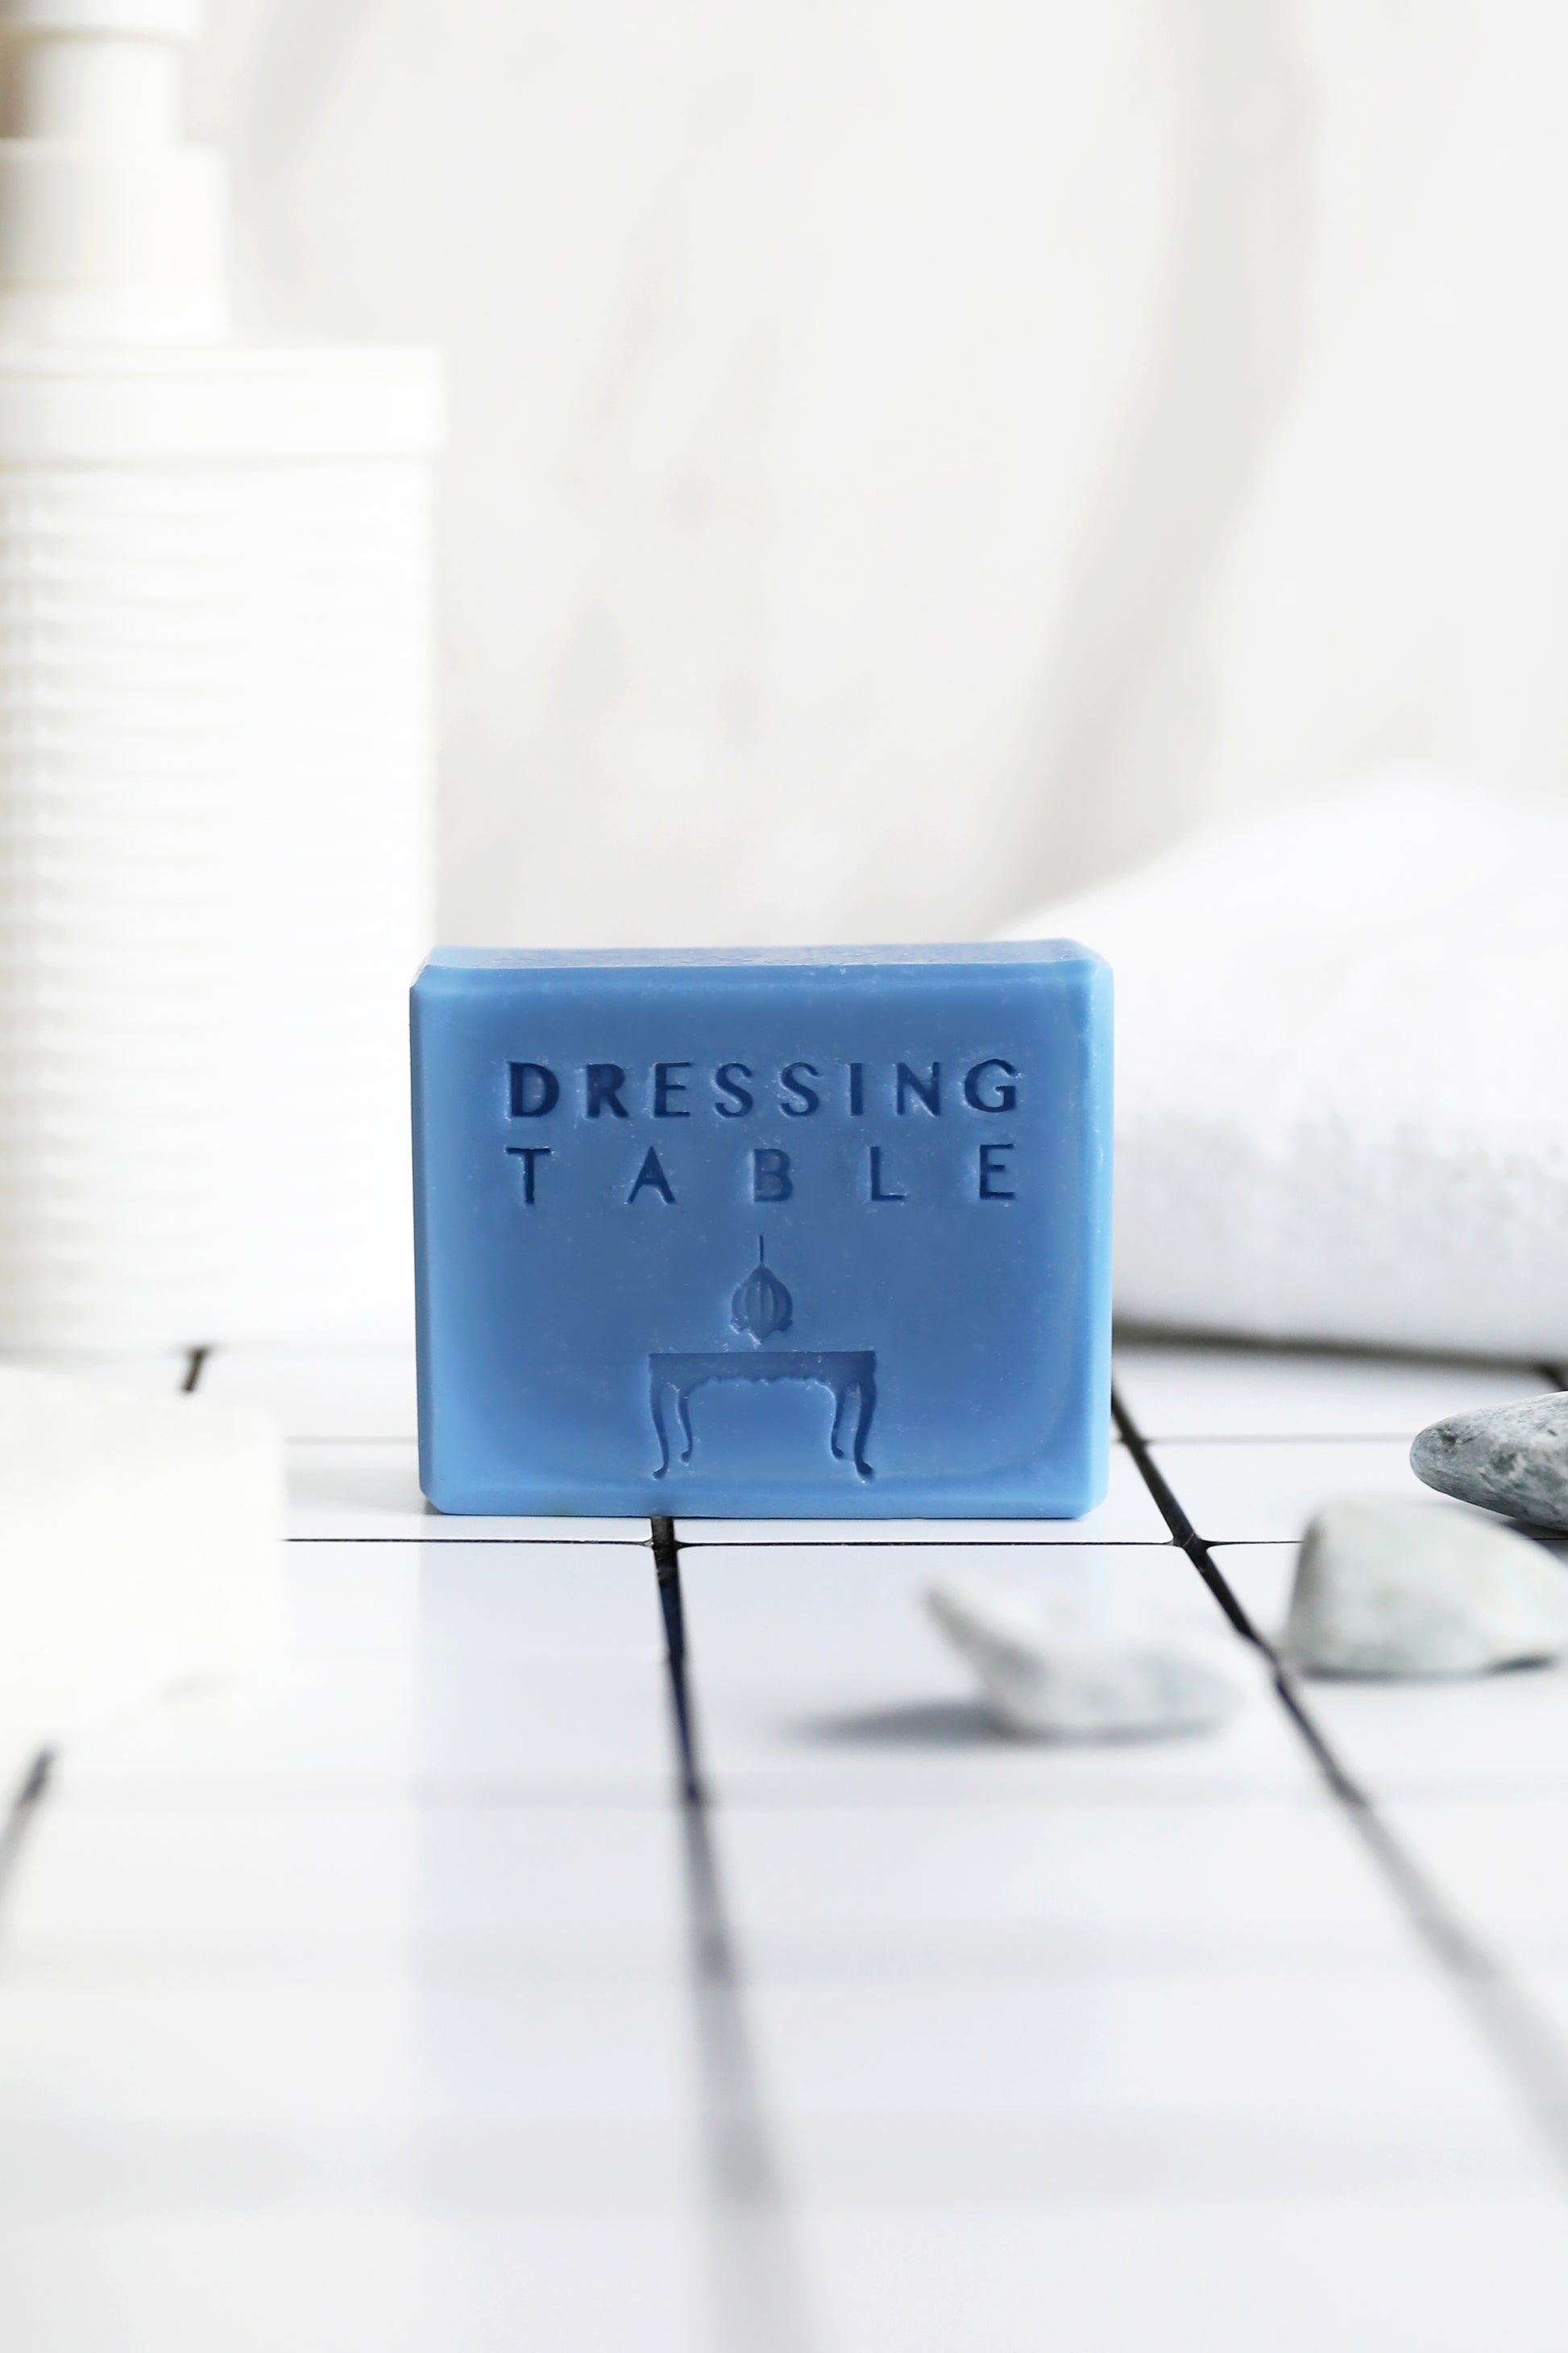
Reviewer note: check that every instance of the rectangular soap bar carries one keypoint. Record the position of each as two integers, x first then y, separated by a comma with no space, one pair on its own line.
774,1234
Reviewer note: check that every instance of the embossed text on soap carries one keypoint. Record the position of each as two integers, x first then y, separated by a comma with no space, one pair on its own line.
578,1094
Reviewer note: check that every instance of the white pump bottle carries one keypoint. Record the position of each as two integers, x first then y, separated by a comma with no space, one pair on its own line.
216,740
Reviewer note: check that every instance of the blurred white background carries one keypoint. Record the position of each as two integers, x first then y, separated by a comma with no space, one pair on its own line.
909,458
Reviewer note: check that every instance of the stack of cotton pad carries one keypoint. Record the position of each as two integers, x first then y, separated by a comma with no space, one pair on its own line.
140,1543
1342,1080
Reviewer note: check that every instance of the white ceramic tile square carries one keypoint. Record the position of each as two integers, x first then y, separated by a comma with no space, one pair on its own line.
1503,1736
1068,1888
364,1393
580,1603
1266,1490
541,1600
345,1600
304,1728
438,1723
326,1889
532,1667
1127,1515
370,1492
1364,2271
1500,1862
1208,1391
368,2054
816,1673
122,1889
575,1889
285,2262
545,1730
1548,1993
985,2087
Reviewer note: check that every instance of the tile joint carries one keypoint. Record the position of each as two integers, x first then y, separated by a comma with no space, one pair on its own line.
1522,2044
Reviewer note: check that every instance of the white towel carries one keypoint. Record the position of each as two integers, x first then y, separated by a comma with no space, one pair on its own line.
1342,1073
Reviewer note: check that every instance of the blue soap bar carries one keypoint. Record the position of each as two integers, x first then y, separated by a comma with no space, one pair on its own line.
772,1234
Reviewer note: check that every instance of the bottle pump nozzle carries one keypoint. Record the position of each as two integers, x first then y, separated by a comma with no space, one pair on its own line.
111,229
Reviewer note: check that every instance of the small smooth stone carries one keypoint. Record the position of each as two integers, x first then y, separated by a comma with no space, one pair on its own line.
1052,1667
1393,1588
1511,1459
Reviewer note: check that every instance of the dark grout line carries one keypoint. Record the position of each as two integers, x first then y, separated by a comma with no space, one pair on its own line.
667,1568
1523,2044
629,1543
926,1544
758,2301
30,1795
194,1364
1183,1532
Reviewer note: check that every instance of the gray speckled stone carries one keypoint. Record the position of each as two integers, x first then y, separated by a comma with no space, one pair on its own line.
1395,1589
1053,1667
1511,1459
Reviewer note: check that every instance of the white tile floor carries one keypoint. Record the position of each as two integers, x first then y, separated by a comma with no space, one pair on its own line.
398,1997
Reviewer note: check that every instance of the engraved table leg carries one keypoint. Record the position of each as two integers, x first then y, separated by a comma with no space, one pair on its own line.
655,1389
856,1386
866,1391
842,1391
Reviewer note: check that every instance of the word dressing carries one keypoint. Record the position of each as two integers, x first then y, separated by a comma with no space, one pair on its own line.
799,1089
766,1234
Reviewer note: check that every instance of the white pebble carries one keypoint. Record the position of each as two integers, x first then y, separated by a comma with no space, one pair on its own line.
1389,1587
1053,1666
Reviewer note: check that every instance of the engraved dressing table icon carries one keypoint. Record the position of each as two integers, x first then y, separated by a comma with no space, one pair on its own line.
761,1308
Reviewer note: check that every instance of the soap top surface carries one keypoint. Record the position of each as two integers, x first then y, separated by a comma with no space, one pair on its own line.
779,1232
828,960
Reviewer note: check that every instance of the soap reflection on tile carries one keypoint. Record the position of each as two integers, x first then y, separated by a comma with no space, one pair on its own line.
541,1669
1127,1515
578,1604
